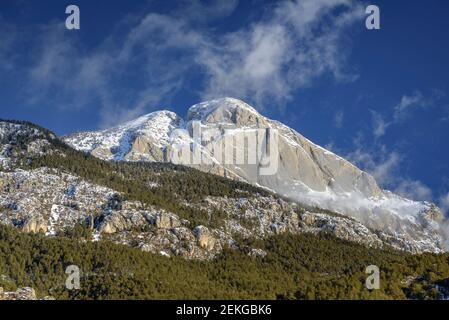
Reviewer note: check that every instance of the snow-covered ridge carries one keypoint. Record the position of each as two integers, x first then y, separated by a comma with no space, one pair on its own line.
156,125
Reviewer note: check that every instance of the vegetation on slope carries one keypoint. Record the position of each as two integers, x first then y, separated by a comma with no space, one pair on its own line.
296,267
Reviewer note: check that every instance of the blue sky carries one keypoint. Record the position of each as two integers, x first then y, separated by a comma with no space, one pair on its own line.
378,97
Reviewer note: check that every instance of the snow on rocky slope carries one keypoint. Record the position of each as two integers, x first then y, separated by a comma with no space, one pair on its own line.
140,139
304,171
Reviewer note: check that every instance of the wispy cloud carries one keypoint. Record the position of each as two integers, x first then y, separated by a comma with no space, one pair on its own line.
385,166
55,69
404,110
272,58
380,163
417,100
66,77
338,118
407,104
414,189
379,124
153,56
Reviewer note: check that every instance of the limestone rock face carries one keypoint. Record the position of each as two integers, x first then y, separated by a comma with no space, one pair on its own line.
144,148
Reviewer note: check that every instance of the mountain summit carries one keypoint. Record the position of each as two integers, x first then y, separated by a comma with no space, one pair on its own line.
304,171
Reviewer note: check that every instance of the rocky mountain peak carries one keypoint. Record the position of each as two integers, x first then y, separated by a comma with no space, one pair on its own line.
226,111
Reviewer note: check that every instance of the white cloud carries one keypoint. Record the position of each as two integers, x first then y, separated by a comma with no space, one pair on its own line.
150,58
274,57
379,124
404,109
384,171
382,165
54,57
407,103
417,100
65,77
415,190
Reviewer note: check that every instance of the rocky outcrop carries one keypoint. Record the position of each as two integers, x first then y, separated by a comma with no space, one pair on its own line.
35,225
166,221
123,220
131,219
20,294
46,200
342,228
204,238
144,148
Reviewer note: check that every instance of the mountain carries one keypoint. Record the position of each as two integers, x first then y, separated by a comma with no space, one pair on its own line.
48,187
151,230
304,171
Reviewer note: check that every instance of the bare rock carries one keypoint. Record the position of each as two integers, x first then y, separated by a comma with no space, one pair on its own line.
257,253
25,293
204,238
167,221
35,225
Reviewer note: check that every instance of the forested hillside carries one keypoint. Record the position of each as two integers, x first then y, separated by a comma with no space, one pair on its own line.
296,267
